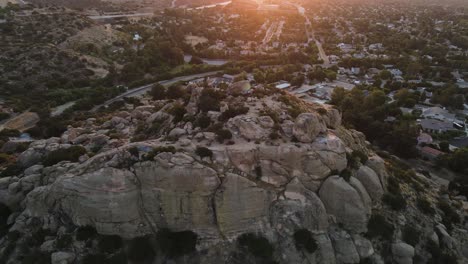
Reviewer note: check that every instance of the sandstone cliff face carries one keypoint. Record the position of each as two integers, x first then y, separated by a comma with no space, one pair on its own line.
255,184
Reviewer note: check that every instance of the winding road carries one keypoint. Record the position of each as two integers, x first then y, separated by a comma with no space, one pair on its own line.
311,36
145,88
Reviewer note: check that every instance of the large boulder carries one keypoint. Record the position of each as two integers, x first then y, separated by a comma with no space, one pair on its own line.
402,253
345,251
333,118
177,193
377,164
363,246
300,208
241,206
371,182
249,127
308,126
343,202
96,199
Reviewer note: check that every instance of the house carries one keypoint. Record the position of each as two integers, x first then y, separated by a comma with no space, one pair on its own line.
345,47
376,46
424,138
436,126
438,113
282,85
430,153
456,143
396,72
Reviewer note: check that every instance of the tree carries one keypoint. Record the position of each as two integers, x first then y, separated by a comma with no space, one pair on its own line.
338,95
385,75
196,60
158,92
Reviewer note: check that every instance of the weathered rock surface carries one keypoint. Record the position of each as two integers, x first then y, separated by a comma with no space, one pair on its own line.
241,206
343,202
402,253
308,126
371,182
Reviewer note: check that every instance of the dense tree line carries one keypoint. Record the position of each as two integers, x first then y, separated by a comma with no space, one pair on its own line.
366,111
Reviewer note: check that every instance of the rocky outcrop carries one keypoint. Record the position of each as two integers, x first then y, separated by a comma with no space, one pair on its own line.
251,127
402,253
308,126
344,203
274,177
371,182
241,206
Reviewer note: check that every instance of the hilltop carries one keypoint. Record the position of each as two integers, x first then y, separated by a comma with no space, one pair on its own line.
223,175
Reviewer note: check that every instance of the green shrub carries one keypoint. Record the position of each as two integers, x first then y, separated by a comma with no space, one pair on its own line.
35,256
70,154
322,111
449,213
209,100
97,258
258,172
355,158
175,244
110,243
4,214
395,201
140,249
203,121
411,235
345,174
178,111
4,116
204,152
303,239
158,92
117,258
175,92
255,244
7,133
223,134
12,170
233,112
63,241
134,152
84,233
378,226
425,206
155,151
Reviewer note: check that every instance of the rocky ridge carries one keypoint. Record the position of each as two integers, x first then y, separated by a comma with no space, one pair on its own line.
266,170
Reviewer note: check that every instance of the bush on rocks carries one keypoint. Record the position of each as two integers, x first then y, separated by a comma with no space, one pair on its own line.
425,206
233,112
110,243
203,121
178,111
304,240
378,226
63,241
70,154
256,245
411,235
223,134
395,201
84,233
140,249
204,152
155,151
175,244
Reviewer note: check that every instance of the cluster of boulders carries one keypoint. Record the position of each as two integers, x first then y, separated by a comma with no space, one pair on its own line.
255,184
